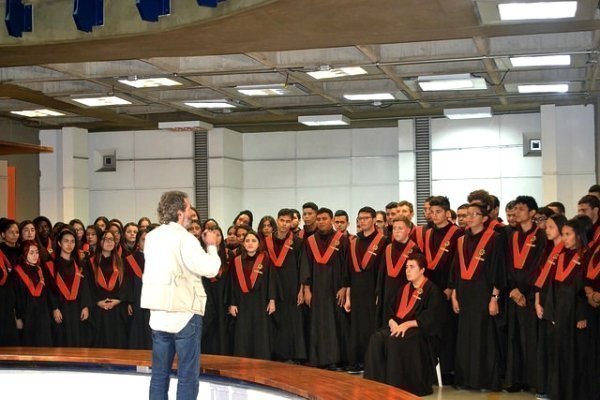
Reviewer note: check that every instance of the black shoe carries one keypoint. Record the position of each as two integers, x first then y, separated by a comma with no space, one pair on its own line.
513,389
356,369
333,367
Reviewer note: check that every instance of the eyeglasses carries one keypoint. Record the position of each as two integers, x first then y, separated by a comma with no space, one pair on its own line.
540,219
108,240
473,215
364,218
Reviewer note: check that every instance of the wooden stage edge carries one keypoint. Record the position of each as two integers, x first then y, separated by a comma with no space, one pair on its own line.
306,382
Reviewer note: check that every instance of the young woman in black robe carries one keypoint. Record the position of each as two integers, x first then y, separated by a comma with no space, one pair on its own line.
476,281
216,335
32,307
9,248
405,353
43,228
110,293
140,334
592,292
70,298
8,327
566,308
252,300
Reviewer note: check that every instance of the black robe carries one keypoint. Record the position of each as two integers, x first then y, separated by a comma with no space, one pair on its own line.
8,327
288,339
216,323
363,293
329,328
140,334
593,281
33,310
253,328
12,254
477,347
409,362
568,347
521,363
71,332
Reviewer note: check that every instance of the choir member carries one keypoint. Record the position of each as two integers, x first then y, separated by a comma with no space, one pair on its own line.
427,211
79,230
340,222
42,228
27,231
525,250
102,223
31,293
129,237
117,233
8,327
590,206
140,334
252,300
325,279
110,292
210,224
231,242
240,233
557,207
451,215
266,226
195,215
566,307
296,221
92,233
381,224
9,249
244,218
309,215
440,248
285,252
391,210
195,229
366,252
509,210
594,190
70,298
541,216
404,354
143,223
476,280
406,209
461,216
592,291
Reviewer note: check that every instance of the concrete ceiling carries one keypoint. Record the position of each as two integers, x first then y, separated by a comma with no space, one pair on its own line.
278,42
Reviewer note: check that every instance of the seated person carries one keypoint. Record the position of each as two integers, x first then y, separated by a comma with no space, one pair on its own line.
405,353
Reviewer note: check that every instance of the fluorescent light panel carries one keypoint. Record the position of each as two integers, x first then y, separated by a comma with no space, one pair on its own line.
451,82
209,104
548,88
337,72
324,120
38,113
369,96
468,113
536,61
102,101
540,10
278,89
149,82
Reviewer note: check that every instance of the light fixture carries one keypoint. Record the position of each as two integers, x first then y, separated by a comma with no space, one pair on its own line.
544,88
369,96
468,113
209,104
538,10
451,82
149,82
278,89
42,112
337,72
324,120
102,101
537,61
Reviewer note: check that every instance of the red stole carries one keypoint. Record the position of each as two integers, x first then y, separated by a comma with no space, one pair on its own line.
4,263
101,280
432,263
596,236
393,270
593,270
279,259
69,295
406,305
417,231
256,270
561,272
550,261
520,255
135,267
368,253
331,247
493,224
34,290
466,273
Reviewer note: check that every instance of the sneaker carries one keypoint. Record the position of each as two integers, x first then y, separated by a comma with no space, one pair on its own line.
356,369
541,396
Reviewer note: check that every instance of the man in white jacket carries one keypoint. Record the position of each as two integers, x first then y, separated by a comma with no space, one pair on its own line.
172,290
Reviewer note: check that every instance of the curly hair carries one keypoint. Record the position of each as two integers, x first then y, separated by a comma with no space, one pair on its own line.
169,204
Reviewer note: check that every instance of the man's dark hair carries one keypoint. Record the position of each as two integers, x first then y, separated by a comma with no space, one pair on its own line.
588,199
559,205
285,212
390,205
407,204
510,205
342,213
453,214
528,201
463,206
440,201
545,211
495,201
324,210
310,205
296,213
428,200
369,210
594,189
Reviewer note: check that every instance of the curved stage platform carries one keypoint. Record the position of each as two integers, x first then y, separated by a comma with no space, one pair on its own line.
304,382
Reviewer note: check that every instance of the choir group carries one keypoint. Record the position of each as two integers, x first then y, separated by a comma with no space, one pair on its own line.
512,306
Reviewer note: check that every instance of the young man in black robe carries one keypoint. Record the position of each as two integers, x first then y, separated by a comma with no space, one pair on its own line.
440,247
390,214
325,279
525,250
285,252
309,215
341,221
589,206
366,252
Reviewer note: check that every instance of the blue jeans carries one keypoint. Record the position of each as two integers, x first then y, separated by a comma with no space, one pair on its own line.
186,343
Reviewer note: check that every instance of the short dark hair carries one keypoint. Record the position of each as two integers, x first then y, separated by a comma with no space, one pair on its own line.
325,210
407,204
545,211
295,212
285,212
528,201
594,189
381,212
440,201
510,205
370,210
495,201
419,258
341,213
559,205
310,205
463,206
453,214
590,200
38,220
390,205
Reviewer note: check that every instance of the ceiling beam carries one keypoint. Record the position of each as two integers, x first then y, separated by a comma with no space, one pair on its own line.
482,44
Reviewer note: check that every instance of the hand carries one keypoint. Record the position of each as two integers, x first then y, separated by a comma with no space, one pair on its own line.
233,311
209,237
347,305
85,313
19,323
447,293
58,318
455,305
129,310
271,307
582,324
493,307
402,328
518,297
307,296
300,298
341,297
539,310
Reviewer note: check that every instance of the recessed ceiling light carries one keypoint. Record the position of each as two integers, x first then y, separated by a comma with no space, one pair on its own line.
102,101
38,113
337,72
209,104
451,82
536,61
547,88
539,10
278,89
149,82
369,96
468,113
324,120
